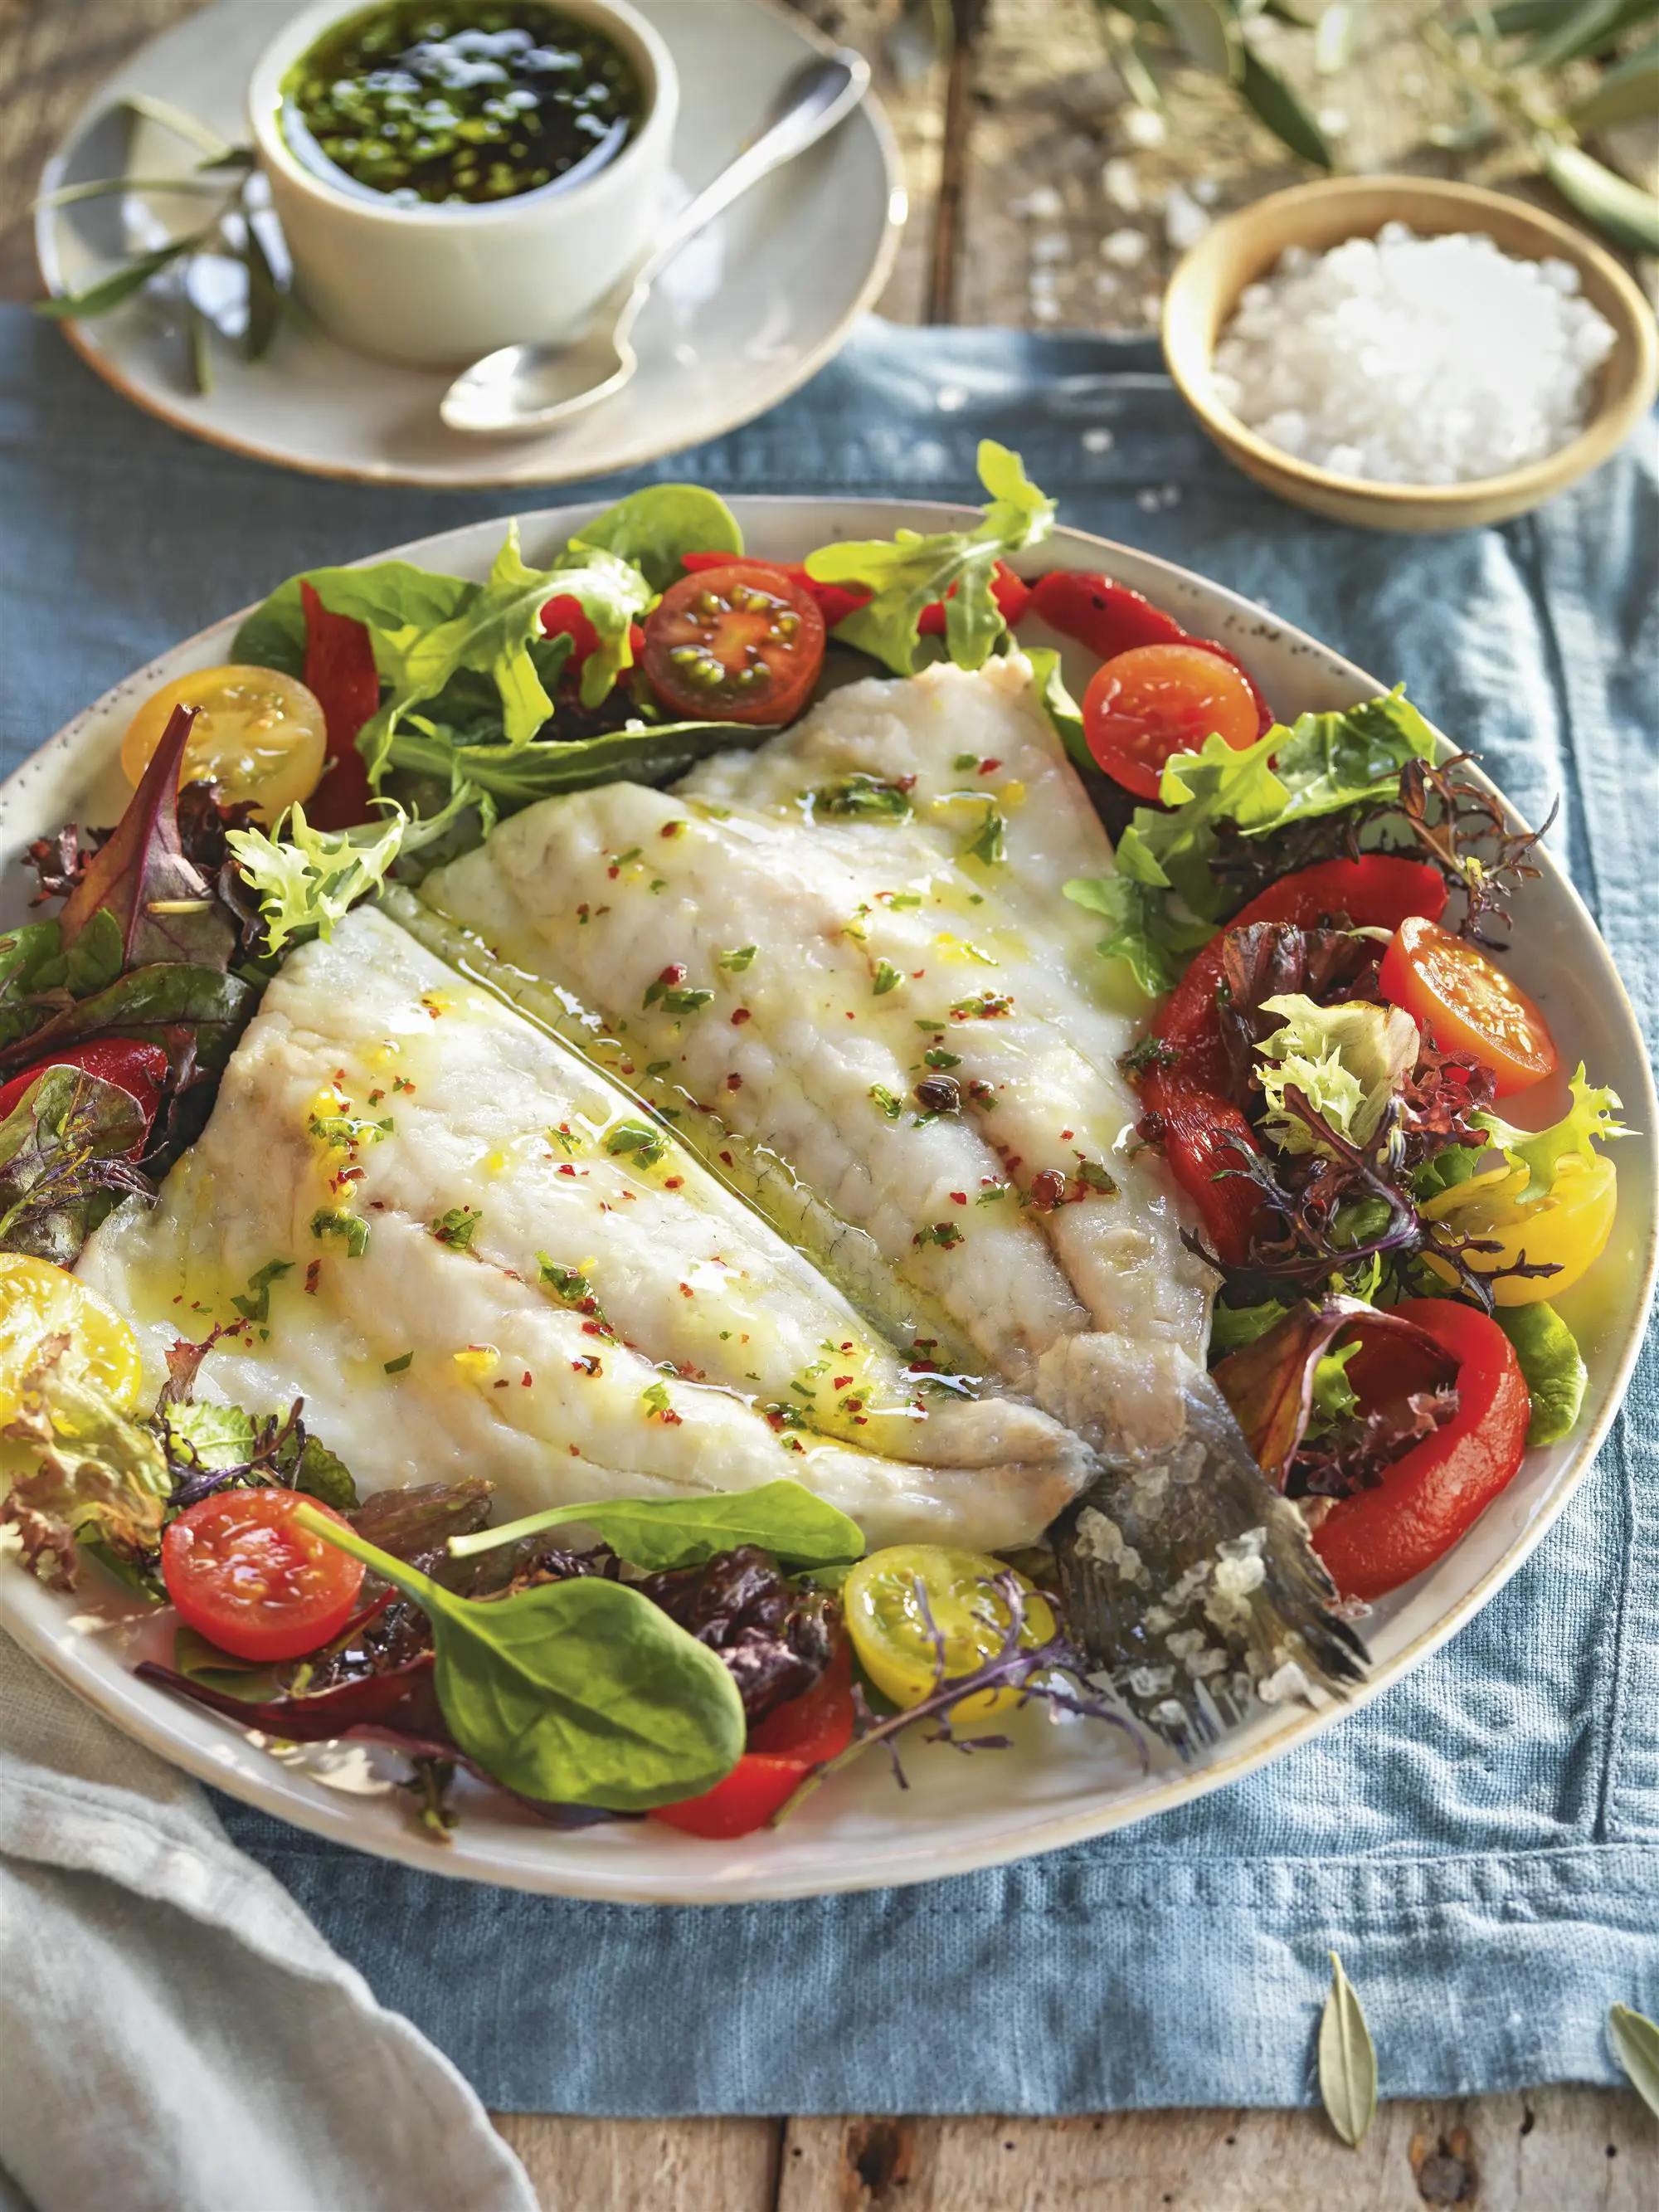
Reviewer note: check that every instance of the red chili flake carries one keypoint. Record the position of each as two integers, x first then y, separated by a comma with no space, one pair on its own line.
567,1170
339,1075
574,1451
670,830
524,1380
670,1183
596,1329
686,1290
588,1364
1047,1190
851,1016
581,911
860,1421
179,1300
502,1385
613,871
739,1015
375,1096
734,1083
674,973
959,1198
916,974
990,767
840,1382
853,1405
1066,1135
313,1272
726,1159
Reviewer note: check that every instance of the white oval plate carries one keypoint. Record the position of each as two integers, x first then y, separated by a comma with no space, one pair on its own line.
747,312
1058,1785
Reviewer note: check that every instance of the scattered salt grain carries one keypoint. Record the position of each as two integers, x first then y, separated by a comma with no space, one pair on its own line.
1144,127
1407,359
1120,185
1184,220
1043,205
1124,249
1098,441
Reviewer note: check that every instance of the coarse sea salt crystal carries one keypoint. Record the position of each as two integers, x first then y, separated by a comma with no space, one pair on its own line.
1414,360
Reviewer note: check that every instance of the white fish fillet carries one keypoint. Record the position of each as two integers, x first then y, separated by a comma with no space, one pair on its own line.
732,1361
840,951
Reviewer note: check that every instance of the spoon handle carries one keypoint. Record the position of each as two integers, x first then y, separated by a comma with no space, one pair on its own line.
809,104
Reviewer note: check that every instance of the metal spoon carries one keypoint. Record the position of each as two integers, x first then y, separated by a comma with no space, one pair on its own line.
533,387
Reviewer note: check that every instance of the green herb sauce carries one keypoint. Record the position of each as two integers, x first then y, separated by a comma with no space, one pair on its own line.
438,102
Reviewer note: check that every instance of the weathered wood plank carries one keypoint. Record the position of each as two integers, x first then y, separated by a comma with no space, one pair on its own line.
1549,2150
626,2166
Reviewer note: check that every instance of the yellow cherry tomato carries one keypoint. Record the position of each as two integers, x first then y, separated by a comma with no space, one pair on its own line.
260,735
37,1301
1568,1229
886,1622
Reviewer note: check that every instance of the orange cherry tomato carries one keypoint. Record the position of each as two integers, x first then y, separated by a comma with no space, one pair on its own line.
1450,988
1157,699
243,1574
739,644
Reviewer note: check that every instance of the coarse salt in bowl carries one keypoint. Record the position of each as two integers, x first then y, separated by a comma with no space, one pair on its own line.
1414,360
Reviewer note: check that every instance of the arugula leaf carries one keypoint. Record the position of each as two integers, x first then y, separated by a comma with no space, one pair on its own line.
513,776
653,528
910,572
654,1534
1589,1120
1142,931
1553,1367
1062,710
579,1692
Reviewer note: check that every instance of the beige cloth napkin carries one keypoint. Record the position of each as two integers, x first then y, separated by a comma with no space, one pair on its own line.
175,2036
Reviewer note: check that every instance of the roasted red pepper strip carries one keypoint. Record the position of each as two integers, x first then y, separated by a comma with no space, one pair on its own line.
340,672
564,614
783,1749
1205,1134
1109,618
1381,1537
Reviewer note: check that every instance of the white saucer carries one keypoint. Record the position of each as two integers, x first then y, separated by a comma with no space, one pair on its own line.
746,315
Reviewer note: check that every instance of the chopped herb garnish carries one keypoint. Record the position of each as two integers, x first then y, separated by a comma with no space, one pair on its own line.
254,1303
458,1227
351,1226
859,794
1095,1178
736,961
990,844
887,978
936,1056
638,1141
400,1365
943,1233
1151,1053
890,1104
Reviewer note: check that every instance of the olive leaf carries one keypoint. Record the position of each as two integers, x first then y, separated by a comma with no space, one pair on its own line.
1619,209
1278,106
578,1693
654,1534
1348,2061
1585,28
1628,92
1635,2045
133,277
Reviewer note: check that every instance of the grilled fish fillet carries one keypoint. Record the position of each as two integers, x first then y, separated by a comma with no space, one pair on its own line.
551,1292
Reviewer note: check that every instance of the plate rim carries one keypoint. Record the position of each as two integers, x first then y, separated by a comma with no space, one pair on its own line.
27,1607
175,411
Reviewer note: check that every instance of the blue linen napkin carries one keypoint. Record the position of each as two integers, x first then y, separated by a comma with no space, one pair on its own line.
1481,1845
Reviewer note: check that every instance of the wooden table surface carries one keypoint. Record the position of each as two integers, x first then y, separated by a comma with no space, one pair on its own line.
1020,159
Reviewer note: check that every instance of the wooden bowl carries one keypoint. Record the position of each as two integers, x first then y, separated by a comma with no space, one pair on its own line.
1244,246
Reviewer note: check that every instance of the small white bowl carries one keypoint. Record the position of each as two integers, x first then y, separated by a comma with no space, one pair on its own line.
439,286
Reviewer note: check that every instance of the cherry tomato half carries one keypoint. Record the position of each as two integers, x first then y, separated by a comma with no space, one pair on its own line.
836,601
1449,988
259,735
244,1575
1381,1537
1158,700
739,644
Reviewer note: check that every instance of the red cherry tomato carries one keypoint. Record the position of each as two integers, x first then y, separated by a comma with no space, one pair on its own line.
1158,700
1451,989
1108,617
1381,1537
1011,593
139,1069
836,600
742,644
340,671
818,1723
242,1573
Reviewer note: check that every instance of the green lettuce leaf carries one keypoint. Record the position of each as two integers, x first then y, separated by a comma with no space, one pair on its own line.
1347,1061
308,879
1141,931
96,1478
1553,1367
909,572
1591,1119
388,595
652,530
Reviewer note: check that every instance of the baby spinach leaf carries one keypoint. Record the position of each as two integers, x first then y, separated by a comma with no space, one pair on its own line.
654,1534
653,528
249,1681
580,1691
1553,1367
908,572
